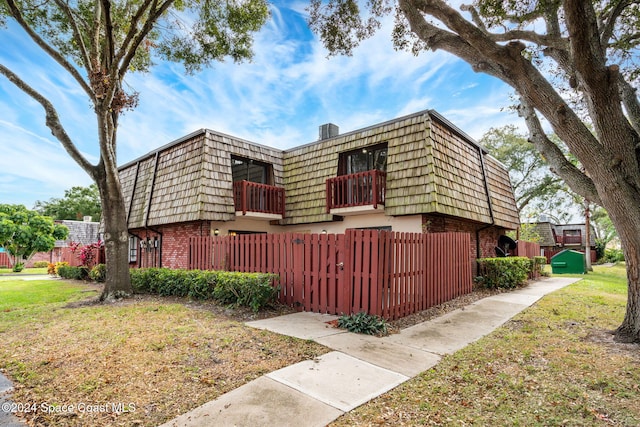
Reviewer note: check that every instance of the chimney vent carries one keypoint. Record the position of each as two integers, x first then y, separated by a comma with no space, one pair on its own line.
328,130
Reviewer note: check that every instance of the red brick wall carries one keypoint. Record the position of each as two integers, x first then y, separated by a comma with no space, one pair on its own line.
488,236
174,243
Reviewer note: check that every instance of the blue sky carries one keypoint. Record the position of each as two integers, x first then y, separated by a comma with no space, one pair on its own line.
279,99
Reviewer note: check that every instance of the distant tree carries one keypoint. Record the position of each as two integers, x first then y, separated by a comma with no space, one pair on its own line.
97,43
77,203
24,232
574,67
535,187
602,225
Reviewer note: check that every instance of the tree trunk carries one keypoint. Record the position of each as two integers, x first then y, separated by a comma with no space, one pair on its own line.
116,237
626,217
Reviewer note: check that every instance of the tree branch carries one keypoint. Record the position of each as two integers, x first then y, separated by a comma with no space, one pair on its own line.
607,27
133,41
52,120
578,181
531,36
76,34
17,15
630,102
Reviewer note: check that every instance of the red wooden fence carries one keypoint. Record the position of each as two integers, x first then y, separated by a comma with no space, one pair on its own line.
5,261
383,273
529,250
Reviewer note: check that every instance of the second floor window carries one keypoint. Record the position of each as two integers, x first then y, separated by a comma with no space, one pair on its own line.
363,159
244,169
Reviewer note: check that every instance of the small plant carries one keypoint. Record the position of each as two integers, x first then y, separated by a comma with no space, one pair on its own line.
364,323
75,273
18,267
98,273
40,264
57,266
51,269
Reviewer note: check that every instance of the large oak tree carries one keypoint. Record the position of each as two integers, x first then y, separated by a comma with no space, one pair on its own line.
98,43
572,64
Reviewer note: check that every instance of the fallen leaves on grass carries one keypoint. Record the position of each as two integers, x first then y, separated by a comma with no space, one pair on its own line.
137,362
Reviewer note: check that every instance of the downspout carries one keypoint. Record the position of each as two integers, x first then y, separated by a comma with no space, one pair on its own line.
431,162
490,204
148,208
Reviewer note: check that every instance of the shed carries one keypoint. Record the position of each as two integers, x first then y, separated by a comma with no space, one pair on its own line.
568,262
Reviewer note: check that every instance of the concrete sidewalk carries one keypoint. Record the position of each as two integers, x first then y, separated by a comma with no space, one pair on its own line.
316,392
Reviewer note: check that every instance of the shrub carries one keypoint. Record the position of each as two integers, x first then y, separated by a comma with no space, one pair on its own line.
98,273
18,267
364,323
74,273
254,290
613,255
40,264
507,273
537,264
58,265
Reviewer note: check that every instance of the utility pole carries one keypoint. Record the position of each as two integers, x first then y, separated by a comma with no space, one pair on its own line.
587,236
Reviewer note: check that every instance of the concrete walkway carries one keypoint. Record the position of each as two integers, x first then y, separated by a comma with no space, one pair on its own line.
7,419
316,392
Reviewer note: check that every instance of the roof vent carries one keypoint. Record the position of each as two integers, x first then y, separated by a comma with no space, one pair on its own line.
328,130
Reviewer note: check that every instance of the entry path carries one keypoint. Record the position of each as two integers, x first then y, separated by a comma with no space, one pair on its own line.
361,367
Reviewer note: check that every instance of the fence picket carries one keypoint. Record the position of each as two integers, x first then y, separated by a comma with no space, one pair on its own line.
384,273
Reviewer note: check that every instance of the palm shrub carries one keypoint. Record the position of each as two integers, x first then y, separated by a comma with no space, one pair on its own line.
364,323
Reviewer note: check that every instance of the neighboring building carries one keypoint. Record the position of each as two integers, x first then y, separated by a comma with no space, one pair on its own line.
417,173
83,232
556,238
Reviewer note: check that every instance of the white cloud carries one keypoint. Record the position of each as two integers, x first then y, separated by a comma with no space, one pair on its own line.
278,99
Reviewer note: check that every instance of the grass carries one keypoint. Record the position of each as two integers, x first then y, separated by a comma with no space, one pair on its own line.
554,364
26,271
151,358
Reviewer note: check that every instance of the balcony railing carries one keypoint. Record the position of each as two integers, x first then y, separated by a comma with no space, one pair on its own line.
358,189
261,198
572,239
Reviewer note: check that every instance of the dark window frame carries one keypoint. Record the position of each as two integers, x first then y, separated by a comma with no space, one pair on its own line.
251,167
347,164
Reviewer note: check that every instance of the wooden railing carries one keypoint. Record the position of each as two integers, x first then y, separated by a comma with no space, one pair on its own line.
572,240
253,197
358,189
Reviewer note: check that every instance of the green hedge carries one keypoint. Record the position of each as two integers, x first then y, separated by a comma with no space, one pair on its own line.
76,273
254,290
507,272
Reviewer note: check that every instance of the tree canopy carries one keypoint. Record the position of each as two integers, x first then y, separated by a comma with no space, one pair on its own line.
24,232
98,43
536,189
573,65
77,203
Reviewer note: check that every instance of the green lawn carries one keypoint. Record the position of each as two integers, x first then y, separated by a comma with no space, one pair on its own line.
159,356
26,271
552,365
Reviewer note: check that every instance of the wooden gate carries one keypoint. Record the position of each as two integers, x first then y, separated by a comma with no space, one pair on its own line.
383,273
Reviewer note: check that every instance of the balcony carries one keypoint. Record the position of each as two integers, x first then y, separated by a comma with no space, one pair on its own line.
572,239
258,201
358,193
